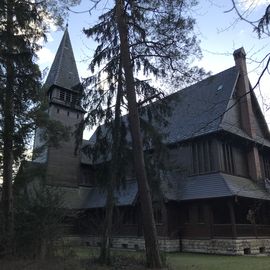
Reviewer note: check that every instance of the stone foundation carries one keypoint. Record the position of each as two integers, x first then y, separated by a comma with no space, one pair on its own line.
135,243
227,246
210,246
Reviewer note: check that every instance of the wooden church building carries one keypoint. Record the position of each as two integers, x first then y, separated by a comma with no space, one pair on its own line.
215,200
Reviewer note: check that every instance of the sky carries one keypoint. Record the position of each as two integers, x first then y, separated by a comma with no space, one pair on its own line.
220,32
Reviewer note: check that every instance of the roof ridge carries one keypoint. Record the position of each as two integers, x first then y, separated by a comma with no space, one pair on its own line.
61,46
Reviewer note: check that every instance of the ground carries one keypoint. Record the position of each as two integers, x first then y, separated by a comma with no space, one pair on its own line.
84,258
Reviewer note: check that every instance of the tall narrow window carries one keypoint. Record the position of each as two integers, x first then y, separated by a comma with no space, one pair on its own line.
195,160
201,156
228,158
202,160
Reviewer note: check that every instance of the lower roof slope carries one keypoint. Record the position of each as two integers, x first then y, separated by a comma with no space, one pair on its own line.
214,185
207,186
94,197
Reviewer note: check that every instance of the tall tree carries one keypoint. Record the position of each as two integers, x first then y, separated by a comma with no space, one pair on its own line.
23,24
110,138
114,171
153,40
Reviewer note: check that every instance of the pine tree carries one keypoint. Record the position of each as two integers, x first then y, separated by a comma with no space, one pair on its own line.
153,39
23,24
110,138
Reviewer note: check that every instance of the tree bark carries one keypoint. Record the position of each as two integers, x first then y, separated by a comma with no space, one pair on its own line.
8,132
105,257
153,259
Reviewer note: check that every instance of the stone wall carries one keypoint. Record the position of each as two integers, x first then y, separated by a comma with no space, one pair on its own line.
210,246
227,246
135,243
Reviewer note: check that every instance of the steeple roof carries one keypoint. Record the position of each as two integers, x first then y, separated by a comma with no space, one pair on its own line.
63,71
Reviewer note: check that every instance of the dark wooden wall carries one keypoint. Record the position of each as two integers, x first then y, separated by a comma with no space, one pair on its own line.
63,166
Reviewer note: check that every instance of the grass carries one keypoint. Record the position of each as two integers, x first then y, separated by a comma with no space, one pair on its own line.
188,261
192,261
84,258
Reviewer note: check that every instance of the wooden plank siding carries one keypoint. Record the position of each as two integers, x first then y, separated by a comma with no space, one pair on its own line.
210,154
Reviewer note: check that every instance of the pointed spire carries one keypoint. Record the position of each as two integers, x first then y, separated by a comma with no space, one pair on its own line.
63,71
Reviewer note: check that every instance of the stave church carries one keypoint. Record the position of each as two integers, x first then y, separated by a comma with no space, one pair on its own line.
215,199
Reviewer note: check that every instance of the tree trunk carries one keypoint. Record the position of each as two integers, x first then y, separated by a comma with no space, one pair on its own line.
8,133
153,259
110,203
104,256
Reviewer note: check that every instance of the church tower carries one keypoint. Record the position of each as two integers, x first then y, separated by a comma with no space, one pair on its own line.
63,90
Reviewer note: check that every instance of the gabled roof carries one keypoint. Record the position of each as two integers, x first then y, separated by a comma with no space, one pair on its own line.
196,110
214,185
63,72
206,107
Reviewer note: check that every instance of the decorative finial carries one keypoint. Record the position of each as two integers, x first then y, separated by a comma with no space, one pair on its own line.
67,25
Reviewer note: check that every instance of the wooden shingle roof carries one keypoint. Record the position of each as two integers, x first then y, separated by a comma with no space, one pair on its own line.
207,186
94,197
63,72
197,109
213,185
